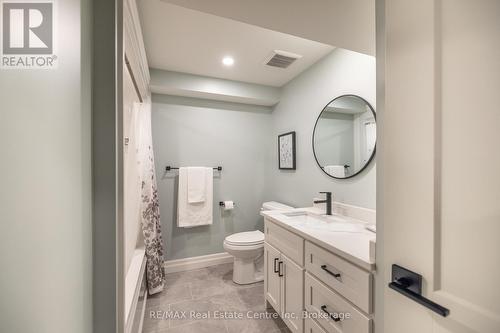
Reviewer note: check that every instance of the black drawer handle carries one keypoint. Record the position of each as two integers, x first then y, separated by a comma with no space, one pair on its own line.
335,275
331,315
274,266
280,265
409,284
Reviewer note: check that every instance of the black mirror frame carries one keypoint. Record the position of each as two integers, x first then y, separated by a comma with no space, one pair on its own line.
314,131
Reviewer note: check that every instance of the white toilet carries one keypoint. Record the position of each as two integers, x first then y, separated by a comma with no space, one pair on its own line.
247,248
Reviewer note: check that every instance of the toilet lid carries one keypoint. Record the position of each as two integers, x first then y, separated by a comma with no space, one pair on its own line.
246,238
273,205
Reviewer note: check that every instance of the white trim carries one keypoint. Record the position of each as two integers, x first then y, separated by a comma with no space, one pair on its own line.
134,47
143,311
133,283
187,264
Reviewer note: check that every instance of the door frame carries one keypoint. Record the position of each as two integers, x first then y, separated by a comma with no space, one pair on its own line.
380,278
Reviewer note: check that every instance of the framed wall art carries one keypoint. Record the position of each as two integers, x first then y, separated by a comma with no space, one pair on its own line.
286,151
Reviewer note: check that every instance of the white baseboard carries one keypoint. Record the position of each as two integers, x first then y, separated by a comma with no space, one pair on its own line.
187,264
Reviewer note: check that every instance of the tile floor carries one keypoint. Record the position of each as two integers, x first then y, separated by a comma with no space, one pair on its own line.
209,291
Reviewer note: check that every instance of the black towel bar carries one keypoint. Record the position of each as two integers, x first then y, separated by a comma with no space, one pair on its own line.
168,168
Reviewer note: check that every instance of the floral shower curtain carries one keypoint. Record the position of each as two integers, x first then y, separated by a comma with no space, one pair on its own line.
150,209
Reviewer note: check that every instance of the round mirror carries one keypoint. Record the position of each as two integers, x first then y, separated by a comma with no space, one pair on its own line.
344,136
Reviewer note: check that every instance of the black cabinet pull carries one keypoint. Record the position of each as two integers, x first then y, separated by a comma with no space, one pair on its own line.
274,266
335,275
280,265
409,284
331,315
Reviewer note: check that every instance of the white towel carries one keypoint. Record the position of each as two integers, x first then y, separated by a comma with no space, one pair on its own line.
335,170
196,184
194,214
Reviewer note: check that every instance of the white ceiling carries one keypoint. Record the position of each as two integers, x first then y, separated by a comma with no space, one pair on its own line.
184,40
349,24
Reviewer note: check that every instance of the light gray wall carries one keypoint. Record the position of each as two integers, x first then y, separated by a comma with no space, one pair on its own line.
193,132
45,192
341,72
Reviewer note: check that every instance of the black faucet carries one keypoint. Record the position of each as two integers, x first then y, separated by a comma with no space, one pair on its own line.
328,202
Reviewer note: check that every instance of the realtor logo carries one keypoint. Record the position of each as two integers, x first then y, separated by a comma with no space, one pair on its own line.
27,34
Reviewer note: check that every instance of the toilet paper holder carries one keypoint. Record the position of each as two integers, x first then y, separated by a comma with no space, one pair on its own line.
222,204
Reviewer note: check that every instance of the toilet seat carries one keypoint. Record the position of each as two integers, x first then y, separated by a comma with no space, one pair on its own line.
247,238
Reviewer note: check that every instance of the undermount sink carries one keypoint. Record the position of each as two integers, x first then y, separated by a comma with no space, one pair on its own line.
295,213
330,223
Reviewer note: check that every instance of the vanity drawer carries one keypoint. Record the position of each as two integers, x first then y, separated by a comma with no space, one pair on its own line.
287,242
311,326
319,298
352,282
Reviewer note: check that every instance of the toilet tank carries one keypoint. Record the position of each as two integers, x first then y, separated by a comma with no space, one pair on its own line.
273,205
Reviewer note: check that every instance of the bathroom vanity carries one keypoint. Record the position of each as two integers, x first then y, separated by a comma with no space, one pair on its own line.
318,271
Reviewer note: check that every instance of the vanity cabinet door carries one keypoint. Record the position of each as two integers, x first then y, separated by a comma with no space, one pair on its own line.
292,294
272,278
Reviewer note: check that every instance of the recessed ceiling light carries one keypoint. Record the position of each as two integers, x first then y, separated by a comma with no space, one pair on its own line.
228,61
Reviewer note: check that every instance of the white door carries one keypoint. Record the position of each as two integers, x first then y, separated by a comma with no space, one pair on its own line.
439,162
272,279
292,294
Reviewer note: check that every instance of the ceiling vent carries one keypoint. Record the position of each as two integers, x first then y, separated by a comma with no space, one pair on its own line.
281,59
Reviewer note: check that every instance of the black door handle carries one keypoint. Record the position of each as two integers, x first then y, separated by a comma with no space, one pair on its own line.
335,275
274,266
331,315
280,265
409,284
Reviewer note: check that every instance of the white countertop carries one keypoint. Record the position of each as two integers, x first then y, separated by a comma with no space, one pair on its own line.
353,246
